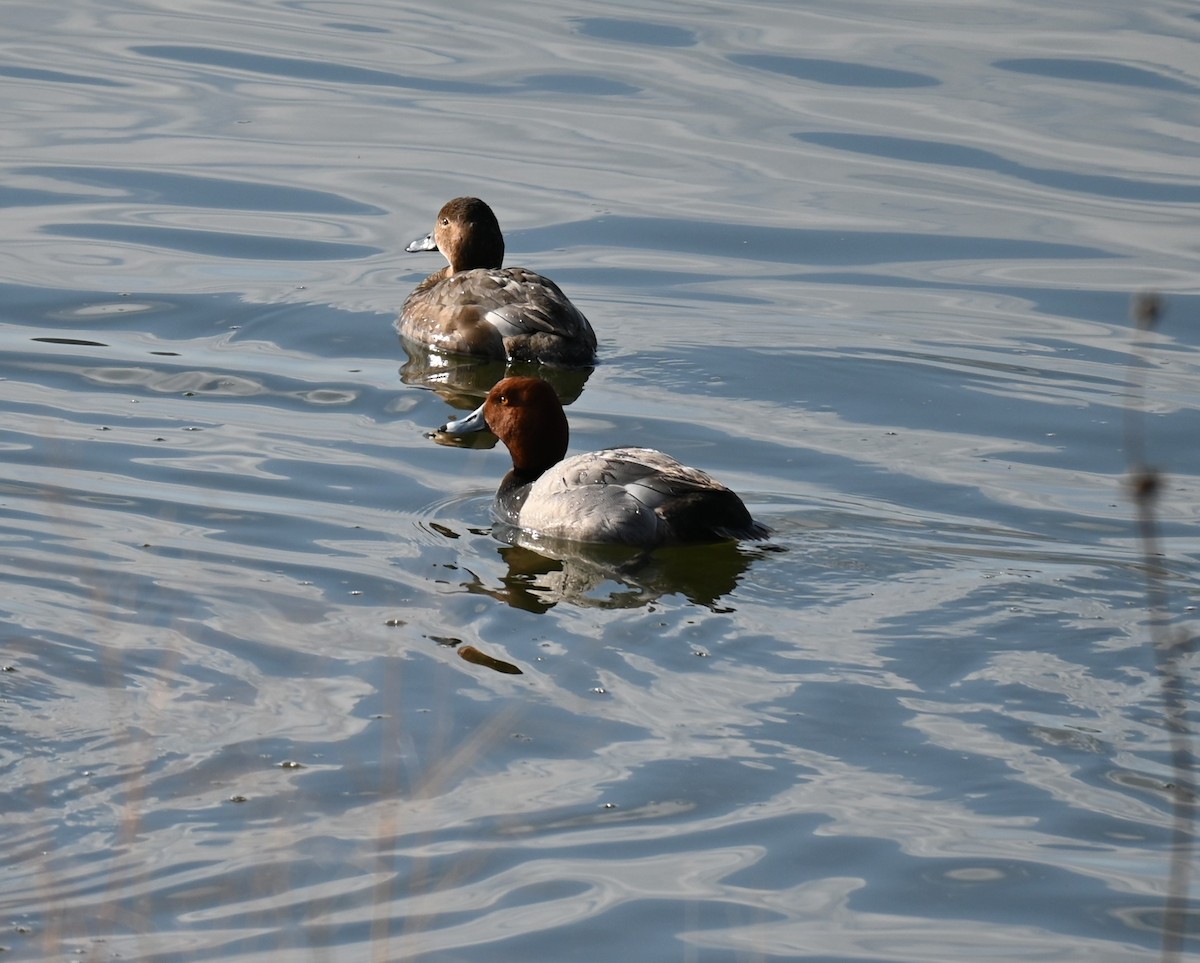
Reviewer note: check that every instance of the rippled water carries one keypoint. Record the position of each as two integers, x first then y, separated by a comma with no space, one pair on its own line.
272,686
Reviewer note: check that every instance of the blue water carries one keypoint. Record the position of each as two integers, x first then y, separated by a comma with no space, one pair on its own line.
870,265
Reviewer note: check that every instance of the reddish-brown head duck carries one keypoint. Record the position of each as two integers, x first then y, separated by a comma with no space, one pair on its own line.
633,496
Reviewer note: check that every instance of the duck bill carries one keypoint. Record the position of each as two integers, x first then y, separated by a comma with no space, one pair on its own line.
466,424
426,243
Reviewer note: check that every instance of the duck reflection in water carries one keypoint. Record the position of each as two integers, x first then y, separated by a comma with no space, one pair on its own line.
605,577
541,573
463,381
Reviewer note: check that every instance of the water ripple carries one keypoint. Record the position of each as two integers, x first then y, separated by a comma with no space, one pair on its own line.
158,187
1096,72
912,150
837,72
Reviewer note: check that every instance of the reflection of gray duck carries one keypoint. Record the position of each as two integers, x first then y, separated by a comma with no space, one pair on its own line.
475,306
543,572
631,496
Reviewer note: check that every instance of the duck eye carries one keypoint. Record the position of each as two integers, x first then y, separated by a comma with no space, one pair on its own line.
445,222
504,399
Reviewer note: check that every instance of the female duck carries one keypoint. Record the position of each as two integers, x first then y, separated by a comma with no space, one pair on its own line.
632,496
475,306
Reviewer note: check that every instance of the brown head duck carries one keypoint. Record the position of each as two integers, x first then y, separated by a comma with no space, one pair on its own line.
476,306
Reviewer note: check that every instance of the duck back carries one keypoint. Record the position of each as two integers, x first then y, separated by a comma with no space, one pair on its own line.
636,496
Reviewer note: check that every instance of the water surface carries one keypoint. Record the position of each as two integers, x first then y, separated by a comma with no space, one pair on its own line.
871,266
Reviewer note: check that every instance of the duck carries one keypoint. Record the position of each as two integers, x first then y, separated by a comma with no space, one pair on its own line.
476,306
629,496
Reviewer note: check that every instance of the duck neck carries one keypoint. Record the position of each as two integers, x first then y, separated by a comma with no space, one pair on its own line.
482,251
547,438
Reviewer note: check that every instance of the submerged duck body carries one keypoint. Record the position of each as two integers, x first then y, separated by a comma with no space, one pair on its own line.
475,306
631,496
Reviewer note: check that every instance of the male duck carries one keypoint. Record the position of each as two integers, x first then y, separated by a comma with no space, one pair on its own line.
632,496
475,306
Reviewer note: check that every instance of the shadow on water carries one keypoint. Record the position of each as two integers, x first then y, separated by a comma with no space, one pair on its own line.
544,572
1171,646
